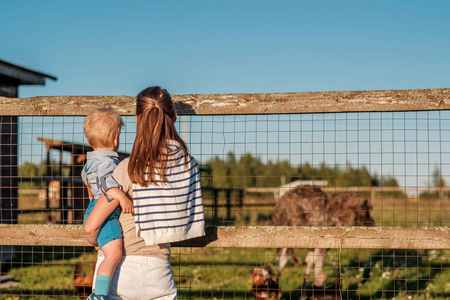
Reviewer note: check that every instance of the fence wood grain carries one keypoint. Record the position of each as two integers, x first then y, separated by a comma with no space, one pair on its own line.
226,104
254,237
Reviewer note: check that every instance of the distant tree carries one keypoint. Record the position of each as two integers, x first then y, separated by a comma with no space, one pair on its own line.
249,171
28,169
220,172
305,171
273,173
391,182
436,181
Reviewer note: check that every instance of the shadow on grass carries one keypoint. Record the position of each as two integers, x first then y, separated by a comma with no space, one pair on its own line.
186,293
24,294
25,256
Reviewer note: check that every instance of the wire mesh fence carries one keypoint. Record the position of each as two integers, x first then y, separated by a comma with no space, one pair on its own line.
226,273
392,165
399,161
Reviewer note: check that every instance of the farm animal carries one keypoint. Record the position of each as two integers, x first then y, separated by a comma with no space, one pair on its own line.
308,205
265,285
81,282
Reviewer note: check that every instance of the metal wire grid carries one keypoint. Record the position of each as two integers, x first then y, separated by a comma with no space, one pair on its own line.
266,151
408,149
386,150
363,274
47,273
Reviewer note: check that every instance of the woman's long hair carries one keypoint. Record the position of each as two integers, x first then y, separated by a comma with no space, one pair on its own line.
156,117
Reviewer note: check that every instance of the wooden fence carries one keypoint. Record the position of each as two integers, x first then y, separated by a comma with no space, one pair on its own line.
282,103
254,237
230,104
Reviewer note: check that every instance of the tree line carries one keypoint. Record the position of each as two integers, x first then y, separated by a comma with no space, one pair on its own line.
244,171
248,170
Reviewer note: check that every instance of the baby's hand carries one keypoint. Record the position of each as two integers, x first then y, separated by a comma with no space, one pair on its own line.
127,206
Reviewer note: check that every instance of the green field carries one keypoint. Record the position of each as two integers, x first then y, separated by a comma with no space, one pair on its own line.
47,272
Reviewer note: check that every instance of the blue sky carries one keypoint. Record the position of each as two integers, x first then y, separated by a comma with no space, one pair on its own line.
120,47
208,47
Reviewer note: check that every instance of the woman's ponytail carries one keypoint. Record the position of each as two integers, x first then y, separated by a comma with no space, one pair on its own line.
155,115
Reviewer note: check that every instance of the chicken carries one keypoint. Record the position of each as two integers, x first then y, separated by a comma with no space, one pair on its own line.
81,282
265,285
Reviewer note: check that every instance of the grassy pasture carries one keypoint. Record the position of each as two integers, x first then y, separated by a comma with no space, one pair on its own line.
224,273
47,273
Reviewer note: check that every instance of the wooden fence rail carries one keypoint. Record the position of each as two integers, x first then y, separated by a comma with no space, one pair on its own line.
226,104
254,237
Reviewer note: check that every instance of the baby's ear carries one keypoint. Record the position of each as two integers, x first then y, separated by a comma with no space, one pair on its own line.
116,140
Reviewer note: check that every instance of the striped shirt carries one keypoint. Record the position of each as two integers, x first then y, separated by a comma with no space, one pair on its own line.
171,211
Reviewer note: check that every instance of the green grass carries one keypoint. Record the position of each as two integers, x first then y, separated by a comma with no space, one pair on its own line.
47,272
375,274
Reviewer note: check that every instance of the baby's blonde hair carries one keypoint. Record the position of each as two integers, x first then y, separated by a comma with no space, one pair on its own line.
101,126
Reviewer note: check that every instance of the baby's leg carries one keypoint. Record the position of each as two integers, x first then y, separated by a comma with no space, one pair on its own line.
113,254
102,209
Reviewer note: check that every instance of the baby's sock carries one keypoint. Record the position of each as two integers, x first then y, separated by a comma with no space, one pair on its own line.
102,284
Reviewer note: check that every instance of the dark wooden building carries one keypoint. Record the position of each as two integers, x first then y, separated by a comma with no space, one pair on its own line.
11,77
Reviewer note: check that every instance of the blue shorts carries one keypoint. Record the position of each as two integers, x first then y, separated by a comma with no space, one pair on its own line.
110,230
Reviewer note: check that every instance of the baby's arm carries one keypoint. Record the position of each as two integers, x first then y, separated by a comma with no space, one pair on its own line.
126,204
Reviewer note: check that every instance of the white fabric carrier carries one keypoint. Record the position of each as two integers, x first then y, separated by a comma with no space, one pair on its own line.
171,211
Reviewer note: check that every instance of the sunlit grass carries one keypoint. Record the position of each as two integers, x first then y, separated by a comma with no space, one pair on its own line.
206,273
224,273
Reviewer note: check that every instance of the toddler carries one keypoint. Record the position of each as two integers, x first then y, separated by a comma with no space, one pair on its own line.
102,129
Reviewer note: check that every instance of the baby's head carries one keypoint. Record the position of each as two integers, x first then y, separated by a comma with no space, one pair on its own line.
102,128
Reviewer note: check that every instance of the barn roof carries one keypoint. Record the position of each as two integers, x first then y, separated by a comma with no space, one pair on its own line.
17,75
74,148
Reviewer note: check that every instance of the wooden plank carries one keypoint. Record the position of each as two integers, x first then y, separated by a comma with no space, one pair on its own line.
42,235
255,237
228,104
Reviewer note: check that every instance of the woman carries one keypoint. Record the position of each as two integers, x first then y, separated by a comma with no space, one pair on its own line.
164,181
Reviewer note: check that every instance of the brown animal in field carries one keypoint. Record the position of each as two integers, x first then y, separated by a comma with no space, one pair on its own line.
310,206
350,209
81,282
265,285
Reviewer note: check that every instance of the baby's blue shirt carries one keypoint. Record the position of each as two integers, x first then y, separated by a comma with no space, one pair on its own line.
98,172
